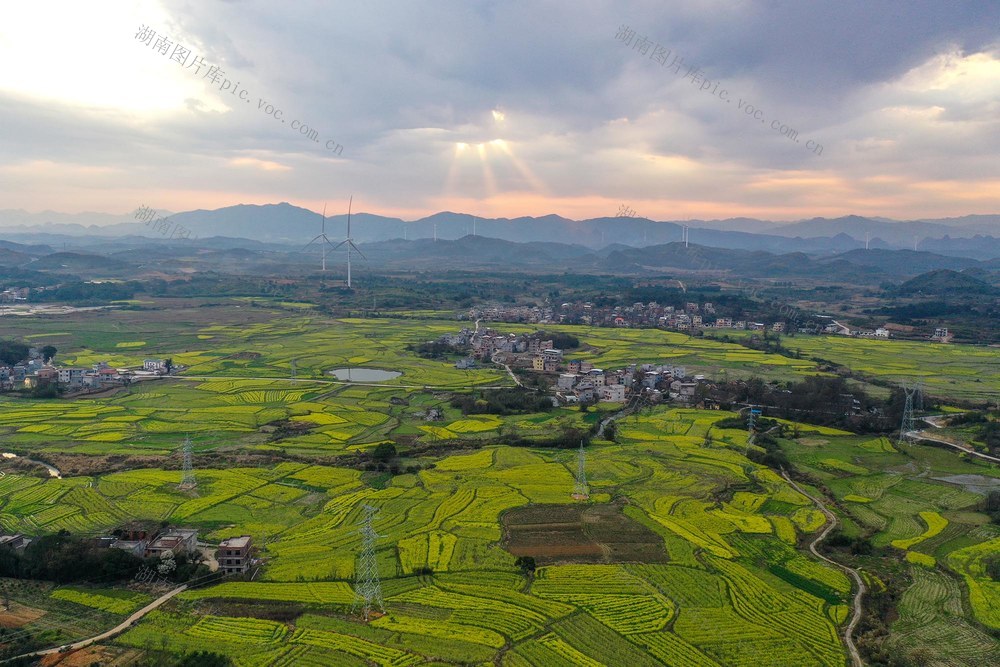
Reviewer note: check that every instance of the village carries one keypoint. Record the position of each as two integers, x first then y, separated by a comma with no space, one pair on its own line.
574,381
146,540
690,317
37,372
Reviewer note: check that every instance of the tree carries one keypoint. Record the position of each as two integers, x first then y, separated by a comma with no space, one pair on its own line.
384,452
527,565
12,352
168,364
204,659
48,352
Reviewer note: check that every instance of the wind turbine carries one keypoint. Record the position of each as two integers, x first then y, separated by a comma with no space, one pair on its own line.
349,242
324,241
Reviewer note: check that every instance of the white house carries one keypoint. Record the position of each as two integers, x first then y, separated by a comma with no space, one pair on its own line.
567,381
613,392
154,365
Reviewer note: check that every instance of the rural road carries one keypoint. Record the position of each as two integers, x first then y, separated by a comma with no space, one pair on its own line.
933,421
922,435
856,614
122,627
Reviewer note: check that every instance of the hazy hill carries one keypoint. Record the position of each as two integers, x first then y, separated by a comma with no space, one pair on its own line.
903,262
944,282
92,265
291,225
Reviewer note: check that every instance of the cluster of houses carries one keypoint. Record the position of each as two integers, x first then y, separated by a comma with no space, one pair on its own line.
14,294
576,380
639,315
234,555
580,382
35,373
834,327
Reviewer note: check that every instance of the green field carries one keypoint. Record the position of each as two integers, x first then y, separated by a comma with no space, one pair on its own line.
737,588
947,370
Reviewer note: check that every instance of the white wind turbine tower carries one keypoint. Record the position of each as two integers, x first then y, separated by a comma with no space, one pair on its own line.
349,242
324,241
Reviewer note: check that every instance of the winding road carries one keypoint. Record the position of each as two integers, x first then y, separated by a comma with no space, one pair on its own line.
856,613
121,627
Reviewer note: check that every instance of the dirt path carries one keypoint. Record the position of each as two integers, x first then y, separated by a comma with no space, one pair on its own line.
121,627
856,612
509,372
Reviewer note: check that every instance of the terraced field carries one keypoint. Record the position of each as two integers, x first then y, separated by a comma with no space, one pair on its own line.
447,519
947,613
728,585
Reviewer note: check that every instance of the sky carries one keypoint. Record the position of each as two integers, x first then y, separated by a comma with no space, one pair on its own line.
674,110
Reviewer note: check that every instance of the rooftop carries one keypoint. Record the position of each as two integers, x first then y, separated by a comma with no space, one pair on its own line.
235,542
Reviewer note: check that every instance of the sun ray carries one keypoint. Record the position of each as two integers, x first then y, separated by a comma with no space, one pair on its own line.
488,178
536,183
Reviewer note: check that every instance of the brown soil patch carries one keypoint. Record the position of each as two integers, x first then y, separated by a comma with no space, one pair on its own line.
579,533
93,655
19,615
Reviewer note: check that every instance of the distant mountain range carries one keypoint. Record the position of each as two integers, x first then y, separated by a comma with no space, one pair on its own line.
974,236
134,257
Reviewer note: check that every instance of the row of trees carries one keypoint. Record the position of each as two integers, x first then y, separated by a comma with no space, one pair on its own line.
85,293
827,401
502,402
66,558
12,351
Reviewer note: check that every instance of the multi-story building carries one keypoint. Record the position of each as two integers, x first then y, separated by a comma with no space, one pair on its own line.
233,555
613,393
154,365
71,377
176,541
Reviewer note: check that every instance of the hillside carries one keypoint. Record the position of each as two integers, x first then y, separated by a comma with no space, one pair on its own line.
945,282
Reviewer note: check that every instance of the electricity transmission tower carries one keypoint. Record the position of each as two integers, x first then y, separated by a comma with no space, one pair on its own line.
909,423
368,586
188,481
581,491
293,369
751,433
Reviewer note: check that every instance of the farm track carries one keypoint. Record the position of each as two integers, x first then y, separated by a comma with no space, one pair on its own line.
857,608
118,629
933,421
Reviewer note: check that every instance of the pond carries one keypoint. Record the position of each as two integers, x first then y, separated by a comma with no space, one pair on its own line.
364,374
53,471
973,483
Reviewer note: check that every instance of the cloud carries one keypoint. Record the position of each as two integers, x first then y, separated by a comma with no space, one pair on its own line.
903,98
265,165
